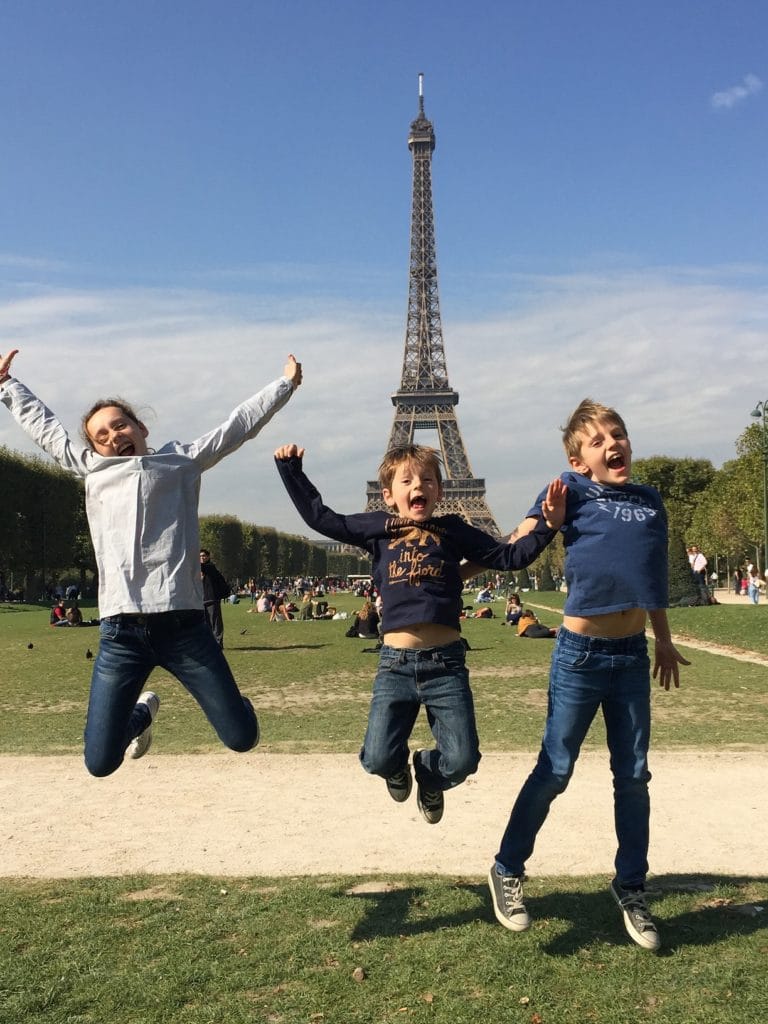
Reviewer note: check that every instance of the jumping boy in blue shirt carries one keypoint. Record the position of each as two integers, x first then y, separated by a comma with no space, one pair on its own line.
416,558
615,537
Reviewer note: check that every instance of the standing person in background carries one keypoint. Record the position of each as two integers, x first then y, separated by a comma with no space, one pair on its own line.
754,583
215,590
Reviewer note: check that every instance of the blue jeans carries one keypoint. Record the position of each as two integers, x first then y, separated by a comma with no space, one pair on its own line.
130,647
588,673
437,678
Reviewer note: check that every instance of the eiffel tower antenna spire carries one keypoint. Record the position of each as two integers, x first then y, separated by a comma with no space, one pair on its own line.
425,400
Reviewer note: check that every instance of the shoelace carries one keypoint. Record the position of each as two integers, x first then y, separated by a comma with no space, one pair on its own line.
512,889
635,904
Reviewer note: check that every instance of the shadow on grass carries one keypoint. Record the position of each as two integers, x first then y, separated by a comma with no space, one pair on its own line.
283,647
588,917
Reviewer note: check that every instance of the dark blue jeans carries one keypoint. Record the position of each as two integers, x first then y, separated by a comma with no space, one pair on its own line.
588,674
437,679
182,643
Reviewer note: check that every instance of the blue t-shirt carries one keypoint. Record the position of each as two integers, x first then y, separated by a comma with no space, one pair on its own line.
615,546
415,565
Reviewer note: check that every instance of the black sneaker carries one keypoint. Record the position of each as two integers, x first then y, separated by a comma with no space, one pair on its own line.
637,918
400,784
507,897
431,803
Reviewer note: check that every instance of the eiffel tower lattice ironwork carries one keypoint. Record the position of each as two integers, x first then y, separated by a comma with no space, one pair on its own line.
425,400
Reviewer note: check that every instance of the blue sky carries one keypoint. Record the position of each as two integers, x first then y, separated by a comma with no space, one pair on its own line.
189,191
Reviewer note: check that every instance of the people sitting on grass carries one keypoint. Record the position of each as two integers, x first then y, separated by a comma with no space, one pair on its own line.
531,628
513,610
365,623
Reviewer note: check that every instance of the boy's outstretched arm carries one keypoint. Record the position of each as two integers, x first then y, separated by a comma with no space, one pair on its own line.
352,529
553,509
667,659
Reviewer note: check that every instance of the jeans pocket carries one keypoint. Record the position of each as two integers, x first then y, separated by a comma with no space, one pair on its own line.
574,659
388,660
109,630
454,665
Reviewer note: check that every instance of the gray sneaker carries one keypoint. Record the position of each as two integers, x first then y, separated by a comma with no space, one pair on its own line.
507,897
400,784
431,803
141,744
638,922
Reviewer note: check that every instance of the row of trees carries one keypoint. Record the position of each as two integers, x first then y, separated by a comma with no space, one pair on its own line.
42,523
719,510
44,535
43,531
243,550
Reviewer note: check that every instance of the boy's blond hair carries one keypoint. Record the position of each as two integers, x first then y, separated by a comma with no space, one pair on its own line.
420,455
585,413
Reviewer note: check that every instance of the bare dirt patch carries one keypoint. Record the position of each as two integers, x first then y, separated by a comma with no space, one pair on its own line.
266,815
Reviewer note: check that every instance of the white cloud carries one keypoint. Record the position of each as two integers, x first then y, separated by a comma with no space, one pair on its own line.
682,354
749,86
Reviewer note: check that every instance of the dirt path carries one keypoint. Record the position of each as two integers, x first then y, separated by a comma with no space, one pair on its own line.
272,814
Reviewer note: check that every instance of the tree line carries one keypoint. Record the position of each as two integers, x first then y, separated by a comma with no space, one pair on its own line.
44,536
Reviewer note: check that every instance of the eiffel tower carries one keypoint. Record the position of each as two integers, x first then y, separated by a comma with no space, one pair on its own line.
425,400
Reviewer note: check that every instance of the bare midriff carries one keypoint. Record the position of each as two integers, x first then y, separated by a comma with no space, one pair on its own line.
613,625
422,634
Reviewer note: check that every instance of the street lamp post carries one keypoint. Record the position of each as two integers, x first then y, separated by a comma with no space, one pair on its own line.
760,412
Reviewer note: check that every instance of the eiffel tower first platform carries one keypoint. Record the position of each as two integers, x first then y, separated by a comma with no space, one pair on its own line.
425,400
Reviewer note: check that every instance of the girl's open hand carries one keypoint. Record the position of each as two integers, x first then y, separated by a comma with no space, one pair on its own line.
5,363
293,372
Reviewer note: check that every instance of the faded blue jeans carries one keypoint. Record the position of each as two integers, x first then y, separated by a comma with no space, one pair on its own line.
437,678
130,647
589,674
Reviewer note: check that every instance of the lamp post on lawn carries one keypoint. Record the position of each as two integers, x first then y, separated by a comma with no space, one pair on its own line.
760,412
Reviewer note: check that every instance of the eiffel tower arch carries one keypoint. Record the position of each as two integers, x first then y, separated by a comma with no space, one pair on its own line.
425,399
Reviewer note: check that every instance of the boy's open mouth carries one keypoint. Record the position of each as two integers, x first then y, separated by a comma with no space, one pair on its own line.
418,503
616,461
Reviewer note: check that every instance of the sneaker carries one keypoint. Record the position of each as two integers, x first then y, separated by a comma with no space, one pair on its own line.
400,784
637,919
141,744
507,897
431,803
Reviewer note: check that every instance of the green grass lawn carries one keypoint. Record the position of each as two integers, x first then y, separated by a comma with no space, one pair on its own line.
199,950
311,685
345,951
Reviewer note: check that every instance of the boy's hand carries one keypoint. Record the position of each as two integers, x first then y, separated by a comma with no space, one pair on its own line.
292,371
289,451
666,663
5,364
553,506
